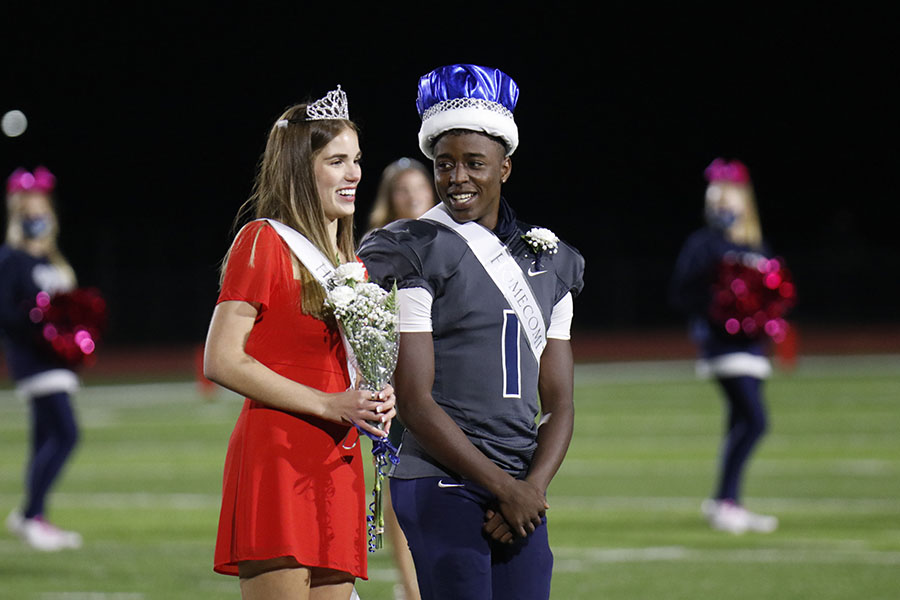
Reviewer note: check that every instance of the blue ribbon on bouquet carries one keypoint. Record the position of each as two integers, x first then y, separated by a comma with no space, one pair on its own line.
381,446
384,452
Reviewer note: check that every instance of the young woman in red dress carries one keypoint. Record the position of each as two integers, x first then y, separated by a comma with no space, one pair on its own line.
292,523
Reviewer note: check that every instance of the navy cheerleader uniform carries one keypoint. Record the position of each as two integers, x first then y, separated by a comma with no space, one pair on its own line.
739,364
42,378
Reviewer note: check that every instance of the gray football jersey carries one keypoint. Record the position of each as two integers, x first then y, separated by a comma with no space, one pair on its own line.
485,374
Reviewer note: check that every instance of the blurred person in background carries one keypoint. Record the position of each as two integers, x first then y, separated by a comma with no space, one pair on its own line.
738,363
31,263
405,191
292,523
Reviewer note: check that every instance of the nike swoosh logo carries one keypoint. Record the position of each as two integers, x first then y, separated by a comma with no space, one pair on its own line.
533,273
441,484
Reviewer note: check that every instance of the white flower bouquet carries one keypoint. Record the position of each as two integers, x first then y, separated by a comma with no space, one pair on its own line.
369,319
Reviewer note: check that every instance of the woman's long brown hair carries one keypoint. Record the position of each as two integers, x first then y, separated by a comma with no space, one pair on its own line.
285,190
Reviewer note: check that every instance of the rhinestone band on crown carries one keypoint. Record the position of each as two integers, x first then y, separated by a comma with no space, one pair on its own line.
332,106
455,103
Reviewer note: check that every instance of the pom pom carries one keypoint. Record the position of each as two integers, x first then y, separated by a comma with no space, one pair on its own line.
71,324
751,296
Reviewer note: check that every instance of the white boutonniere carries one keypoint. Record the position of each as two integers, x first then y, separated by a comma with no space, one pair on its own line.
541,240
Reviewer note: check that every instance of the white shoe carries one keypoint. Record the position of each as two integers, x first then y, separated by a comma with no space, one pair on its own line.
44,536
761,523
725,515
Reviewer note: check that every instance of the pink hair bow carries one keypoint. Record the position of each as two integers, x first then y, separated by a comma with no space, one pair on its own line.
21,180
723,170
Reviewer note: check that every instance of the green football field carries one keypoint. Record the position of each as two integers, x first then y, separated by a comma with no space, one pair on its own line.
143,489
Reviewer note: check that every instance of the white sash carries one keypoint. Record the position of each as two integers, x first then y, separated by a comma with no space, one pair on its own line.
320,268
311,257
505,272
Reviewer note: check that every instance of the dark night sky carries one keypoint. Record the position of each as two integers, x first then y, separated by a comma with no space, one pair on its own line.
154,120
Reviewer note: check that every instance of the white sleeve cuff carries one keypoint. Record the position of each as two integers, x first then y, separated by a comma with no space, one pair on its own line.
561,319
415,310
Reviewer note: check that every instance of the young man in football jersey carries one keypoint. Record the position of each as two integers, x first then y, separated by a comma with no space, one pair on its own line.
486,309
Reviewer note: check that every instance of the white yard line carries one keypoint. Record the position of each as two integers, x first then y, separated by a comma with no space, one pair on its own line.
136,394
587,373
580,467
127,500
91,596
574,559
663,503
681,370
198,501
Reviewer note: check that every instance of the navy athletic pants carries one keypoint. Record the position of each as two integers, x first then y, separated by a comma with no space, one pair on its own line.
54,434
746,425
442,519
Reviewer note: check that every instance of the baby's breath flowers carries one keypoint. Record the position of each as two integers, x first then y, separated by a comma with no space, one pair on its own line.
541,240
369,319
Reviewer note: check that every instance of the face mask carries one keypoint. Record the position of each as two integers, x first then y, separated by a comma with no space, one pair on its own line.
721,219
35,228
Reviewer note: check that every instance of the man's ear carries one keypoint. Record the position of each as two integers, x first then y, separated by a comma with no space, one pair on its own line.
505,168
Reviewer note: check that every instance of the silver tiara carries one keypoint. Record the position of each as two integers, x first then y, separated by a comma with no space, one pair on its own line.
332,106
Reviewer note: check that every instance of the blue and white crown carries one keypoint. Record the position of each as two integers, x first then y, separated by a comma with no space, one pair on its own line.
467,97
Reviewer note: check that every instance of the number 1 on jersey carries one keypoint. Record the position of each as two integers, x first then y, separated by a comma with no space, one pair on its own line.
509,347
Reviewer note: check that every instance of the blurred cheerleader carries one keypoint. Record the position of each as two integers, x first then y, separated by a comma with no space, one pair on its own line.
30,263
737,362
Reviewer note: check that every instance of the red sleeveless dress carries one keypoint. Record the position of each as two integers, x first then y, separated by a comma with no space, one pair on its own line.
293,484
